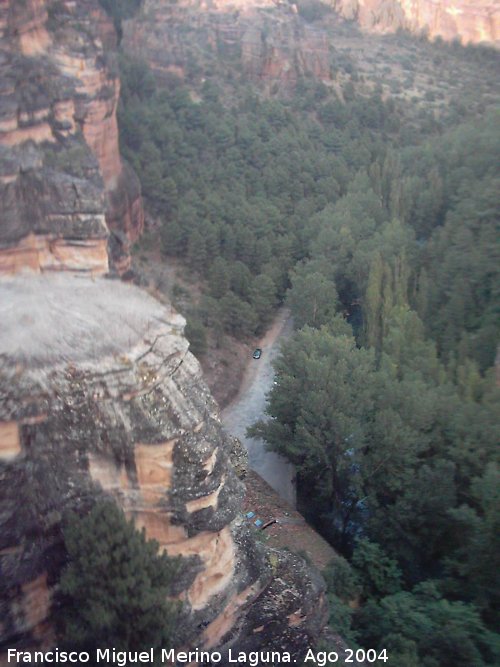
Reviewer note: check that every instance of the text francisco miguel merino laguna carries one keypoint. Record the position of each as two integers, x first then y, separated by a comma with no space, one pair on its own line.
167,656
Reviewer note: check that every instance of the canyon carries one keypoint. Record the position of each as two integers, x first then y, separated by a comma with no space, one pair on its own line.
99,394
270,39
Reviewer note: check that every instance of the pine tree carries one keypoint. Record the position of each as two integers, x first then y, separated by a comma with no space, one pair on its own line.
196,252
312,299
263,297
241,279
218,278
196,334
238,316
116,585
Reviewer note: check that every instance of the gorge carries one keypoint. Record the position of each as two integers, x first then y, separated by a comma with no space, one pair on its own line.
101,396
99,393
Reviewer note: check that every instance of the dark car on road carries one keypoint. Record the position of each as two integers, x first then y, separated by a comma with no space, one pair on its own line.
257,353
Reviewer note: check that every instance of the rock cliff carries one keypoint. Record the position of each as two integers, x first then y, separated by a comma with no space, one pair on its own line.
470,21
63,185
277,41
100,395
271,42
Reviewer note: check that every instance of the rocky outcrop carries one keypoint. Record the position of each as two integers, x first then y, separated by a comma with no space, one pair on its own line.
469,21
125,217
100,395
274,43
51,220
59,136
285,50
271,42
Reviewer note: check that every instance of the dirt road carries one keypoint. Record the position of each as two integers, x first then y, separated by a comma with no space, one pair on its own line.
249,405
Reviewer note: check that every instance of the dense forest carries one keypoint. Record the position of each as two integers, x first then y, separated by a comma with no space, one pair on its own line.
384,244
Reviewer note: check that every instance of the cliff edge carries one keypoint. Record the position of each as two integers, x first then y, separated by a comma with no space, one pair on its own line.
99,394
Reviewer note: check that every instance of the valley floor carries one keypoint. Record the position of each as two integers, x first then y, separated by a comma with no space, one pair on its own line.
249,405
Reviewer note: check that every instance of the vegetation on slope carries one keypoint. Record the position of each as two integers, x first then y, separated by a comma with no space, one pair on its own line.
384,243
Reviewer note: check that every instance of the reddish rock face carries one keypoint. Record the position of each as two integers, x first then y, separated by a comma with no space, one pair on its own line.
58,106
470,21
107,400
23,24
272,45
291,49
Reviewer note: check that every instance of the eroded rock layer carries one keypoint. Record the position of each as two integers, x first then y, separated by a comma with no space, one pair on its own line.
62,182
469,21
273,41
100,395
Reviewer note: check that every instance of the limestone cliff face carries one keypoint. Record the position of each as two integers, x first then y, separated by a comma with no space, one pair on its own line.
59,134
100,395
470,21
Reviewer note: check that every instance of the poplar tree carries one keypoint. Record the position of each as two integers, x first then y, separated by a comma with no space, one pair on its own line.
373,302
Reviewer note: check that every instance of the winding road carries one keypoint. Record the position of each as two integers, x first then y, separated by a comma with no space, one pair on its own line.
249,406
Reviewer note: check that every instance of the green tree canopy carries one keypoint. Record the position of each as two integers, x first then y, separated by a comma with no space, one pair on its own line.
312,298
318,413
116,585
